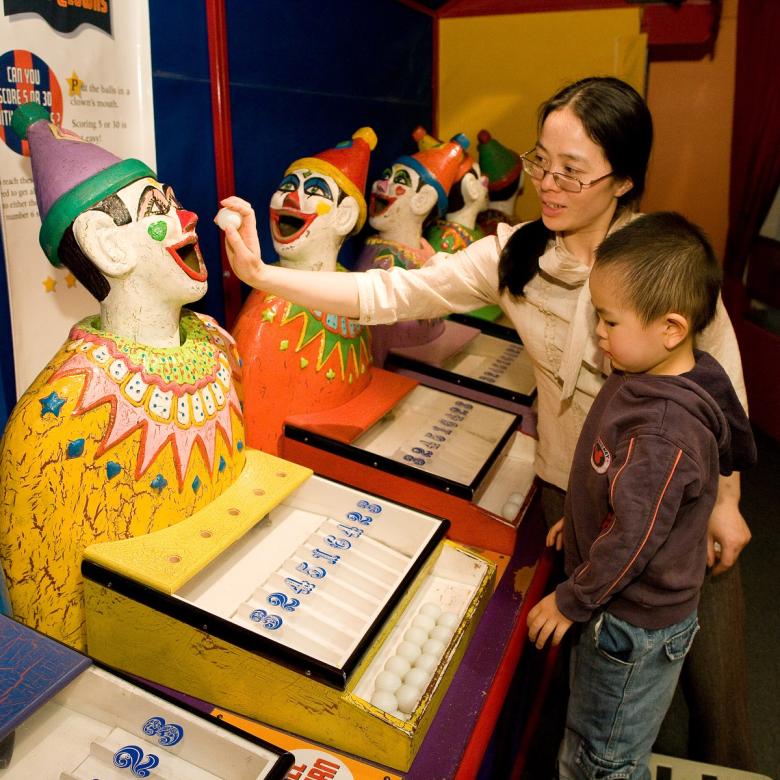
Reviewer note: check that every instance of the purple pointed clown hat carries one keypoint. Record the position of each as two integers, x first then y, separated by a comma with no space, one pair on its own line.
69,174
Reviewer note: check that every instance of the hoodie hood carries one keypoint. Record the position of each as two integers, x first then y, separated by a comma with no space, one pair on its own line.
716,407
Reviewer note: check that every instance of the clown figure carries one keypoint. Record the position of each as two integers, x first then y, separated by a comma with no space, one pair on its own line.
401,201
135,423
468,196
296,360
504,170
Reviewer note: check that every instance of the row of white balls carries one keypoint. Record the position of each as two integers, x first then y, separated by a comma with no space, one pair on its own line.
512,506
400,686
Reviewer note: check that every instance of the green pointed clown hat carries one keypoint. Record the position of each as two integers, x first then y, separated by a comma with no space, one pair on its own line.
69,173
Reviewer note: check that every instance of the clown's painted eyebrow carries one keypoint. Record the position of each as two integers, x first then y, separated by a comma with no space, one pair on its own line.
114,206
153,201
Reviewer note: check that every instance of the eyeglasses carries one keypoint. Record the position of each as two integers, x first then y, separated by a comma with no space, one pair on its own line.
563,180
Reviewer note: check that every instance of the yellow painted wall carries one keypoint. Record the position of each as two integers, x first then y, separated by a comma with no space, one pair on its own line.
692,104
494,71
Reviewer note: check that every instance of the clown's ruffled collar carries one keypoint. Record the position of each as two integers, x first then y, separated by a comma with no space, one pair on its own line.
186,391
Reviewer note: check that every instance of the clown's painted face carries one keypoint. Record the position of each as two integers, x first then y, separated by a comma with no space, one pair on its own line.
391,195
303,211
160,235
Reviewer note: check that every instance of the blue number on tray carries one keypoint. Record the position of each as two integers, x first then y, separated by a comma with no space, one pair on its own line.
271,622
169,733
280,600
131,756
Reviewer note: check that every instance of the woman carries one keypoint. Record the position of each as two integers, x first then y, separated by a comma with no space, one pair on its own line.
588,167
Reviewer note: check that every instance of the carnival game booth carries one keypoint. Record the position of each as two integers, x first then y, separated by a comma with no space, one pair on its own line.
491,367
64,717
330,612
428,449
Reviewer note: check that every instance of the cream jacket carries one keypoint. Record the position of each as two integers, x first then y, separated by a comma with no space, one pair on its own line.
543,318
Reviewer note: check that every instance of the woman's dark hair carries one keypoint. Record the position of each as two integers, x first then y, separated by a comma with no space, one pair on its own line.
616,118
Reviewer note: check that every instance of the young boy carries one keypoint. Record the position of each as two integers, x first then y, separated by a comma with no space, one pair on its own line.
642,486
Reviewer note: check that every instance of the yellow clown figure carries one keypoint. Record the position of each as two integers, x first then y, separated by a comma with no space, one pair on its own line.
135,423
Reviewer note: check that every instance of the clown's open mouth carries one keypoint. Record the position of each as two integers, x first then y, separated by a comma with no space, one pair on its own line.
379,204
287,224
187,256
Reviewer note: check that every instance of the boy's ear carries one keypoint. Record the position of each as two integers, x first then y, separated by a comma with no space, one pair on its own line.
676,329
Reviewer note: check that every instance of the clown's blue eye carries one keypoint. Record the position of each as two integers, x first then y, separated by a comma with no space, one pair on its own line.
289,183
317,186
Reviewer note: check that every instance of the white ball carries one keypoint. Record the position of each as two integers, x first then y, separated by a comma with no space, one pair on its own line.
408,651
442,633
509,510
449,619
425,622
385,701
426,662
387,681
433,647
407,697
432,609
228,218
416,635
398,665
516,498
417,678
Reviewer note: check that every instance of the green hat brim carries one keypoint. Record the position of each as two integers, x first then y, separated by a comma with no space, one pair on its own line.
89,192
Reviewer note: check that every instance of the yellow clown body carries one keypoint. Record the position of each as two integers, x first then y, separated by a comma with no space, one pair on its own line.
114,439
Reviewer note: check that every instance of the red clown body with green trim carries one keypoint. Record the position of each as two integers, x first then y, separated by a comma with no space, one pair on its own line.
296,360
135,423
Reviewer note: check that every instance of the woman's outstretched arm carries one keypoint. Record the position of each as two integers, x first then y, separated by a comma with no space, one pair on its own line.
330,291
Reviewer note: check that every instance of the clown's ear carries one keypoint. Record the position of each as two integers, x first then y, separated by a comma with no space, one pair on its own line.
423,201
102,242
347,213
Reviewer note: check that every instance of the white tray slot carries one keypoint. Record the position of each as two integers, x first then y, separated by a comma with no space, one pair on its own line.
317,572
71,735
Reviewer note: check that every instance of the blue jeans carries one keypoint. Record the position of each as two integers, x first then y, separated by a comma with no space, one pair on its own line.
622,682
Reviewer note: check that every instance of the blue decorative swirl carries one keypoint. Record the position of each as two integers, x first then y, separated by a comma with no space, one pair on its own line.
280,600
373,508
271,622
130,756
169,733
337,543
317,572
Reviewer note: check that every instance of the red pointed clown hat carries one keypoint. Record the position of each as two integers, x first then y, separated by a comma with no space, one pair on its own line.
70,174
347,163
439,166
426,141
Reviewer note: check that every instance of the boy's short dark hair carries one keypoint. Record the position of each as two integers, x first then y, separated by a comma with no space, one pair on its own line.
666,263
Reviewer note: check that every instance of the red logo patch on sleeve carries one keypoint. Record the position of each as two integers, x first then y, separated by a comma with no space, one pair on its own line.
600,457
